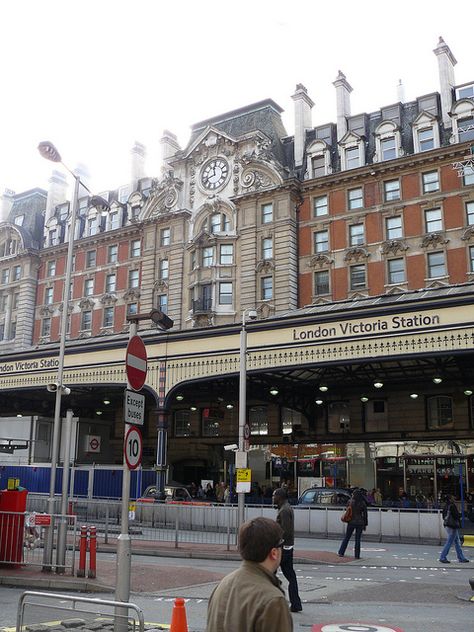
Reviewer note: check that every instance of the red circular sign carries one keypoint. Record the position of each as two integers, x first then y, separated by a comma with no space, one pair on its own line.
136,363
132,448
354,627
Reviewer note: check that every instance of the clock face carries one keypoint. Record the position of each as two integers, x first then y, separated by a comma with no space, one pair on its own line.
214,173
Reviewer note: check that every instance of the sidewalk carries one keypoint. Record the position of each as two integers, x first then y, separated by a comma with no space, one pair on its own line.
150,578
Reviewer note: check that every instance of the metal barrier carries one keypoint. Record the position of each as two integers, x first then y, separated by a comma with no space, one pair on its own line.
98,611
22,538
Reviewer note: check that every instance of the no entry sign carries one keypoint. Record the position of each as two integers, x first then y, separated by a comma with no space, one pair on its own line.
133,448
354,627
136,363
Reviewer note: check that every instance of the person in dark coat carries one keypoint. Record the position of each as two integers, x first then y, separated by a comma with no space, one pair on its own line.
452,524
358,523
286,520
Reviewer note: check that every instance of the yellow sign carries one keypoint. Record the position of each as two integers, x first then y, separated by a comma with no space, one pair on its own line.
244,476
13,483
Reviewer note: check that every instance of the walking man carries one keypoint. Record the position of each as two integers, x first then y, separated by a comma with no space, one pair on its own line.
251,598
286,520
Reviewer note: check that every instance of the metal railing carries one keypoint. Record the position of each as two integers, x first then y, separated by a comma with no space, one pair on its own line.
92,611
23,535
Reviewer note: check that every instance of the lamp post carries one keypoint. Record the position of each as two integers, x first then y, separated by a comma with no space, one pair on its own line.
49,151
241,455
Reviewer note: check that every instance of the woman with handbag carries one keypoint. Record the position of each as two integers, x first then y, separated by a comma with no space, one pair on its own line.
452,524
356,518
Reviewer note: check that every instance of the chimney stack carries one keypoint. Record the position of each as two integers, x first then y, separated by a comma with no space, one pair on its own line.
7,204
169,147
138,153
446,63
400,92
83,172
303,122
343,103
57,193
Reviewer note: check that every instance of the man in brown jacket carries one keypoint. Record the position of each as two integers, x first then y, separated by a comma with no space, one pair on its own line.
250,599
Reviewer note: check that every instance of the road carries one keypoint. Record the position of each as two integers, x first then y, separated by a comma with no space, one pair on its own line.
399,585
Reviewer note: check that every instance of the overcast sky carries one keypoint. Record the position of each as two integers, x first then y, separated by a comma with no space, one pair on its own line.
96,75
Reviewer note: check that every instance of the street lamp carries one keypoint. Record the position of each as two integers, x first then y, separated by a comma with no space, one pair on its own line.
242,453
49,151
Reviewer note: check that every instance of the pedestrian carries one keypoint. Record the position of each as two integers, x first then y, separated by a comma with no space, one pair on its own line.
378,498
371,497
452,524
251,598
286,520
227,495
357,522
220,489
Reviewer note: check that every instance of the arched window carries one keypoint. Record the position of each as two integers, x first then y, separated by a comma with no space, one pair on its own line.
463,121
440,412
425,132
387,142
317,160
352,151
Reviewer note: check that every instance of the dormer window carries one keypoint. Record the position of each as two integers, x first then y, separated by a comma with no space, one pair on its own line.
425,132
352,157
124,193
463,121
426,139
114,220
318,160
388,150
19,219
92,226
465,92
53,237
387,142
352,151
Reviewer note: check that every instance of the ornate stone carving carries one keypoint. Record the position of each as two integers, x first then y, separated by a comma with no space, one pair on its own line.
164,194
320,261
86,303
434,240
255,179
203,320
265,310
266,265
356,254
393,246
161,285
132,294
468,234
108,298
46,310
192,185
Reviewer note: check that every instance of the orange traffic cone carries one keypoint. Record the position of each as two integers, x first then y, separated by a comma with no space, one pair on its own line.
178,617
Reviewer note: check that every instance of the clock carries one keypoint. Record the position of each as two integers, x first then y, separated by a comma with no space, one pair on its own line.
214,173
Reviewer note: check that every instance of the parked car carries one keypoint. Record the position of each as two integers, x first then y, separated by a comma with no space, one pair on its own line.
170,493
324,496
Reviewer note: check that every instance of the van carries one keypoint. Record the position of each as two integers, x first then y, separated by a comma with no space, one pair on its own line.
324,496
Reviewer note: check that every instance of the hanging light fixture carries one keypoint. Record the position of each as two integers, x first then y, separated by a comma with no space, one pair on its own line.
273,390
179,397
378,383
437,379
230,406
319,402
364,399
467,391
193,408
414,395
323,388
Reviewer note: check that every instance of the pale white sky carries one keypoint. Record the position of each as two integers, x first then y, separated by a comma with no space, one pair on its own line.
96,75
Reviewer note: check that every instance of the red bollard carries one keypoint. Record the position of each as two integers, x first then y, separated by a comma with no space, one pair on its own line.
92,553
81,571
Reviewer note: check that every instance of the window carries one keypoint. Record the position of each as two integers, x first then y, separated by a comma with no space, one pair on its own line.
165,237
321,282
207,256
466,129
132,309
226,254
388,148
3,301
396,270
225,293
267,288
320,206
267,248
163,303
391,190
258,420
321,241
92,226
211,418
465,92
135,248
8,247
5,276
356,235
468,177
430,181
357,277
426,139
267,213
91,258
352,157
436,266
46,327
112,254
471,258
433,221
114,220
220,223
164,269
110,283
318,166
51,268
355,198
133,278
48,296
440,412
182,423
124,193
393,227
470,213
71,290
53,238
19,219
86,320
289,420
16,298
108,317
88,287
16,273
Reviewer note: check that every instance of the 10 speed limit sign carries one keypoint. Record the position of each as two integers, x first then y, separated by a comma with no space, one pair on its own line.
133,448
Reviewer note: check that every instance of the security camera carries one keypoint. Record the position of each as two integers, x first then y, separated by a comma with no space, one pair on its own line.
53,387
253,314
231,447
